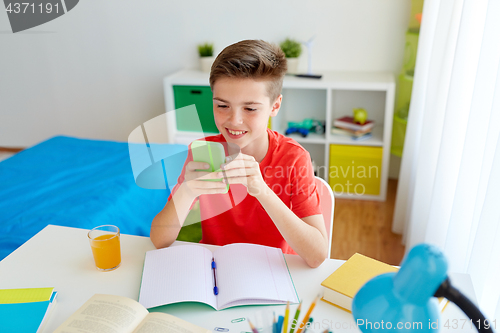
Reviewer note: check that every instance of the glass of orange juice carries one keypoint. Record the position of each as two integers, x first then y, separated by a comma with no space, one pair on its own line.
105,244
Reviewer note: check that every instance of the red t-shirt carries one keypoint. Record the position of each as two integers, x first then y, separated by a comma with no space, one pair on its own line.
237,217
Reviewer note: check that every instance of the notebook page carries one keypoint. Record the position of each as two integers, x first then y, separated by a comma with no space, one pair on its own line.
177,274
251,302
254,274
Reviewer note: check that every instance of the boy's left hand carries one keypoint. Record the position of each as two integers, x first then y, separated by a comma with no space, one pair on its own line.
244,169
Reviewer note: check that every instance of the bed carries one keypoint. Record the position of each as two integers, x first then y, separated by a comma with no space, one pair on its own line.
76,183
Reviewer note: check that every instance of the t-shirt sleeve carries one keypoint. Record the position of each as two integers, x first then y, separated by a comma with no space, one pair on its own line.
304,197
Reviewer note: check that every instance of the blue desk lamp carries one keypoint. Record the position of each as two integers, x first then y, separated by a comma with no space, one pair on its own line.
402,301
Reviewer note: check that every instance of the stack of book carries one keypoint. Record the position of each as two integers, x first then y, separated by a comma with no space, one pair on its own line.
346,126
343,284
25,310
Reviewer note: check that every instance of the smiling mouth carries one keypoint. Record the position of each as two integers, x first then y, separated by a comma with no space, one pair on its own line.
235,132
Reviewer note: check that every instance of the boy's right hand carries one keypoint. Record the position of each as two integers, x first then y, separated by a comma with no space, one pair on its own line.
195,182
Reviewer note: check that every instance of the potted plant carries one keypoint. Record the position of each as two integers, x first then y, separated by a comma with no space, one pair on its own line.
292,50
206,52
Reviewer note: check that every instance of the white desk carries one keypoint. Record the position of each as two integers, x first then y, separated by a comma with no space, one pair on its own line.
60,257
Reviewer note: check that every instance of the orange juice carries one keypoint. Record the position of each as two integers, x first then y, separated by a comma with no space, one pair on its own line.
106,251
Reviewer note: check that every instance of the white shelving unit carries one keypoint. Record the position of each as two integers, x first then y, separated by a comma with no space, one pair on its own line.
328,98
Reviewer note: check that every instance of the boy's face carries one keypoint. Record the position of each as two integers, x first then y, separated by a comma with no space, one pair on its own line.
242,109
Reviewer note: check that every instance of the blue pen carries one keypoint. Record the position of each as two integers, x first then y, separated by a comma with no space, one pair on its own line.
216,290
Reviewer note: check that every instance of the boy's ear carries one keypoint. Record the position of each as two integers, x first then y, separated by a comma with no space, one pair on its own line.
276,106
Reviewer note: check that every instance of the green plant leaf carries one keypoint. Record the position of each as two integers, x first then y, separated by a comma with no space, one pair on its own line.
291,48
206,50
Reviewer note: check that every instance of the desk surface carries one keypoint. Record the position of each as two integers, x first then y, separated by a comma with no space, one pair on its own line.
60,257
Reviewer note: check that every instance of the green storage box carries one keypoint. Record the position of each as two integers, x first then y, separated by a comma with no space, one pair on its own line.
403,91
398,135
201,96
416,7
410,56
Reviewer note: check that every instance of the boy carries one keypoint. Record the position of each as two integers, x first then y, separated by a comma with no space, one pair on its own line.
280,205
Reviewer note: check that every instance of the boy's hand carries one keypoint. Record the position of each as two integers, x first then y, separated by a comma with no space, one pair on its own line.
195,181
243,169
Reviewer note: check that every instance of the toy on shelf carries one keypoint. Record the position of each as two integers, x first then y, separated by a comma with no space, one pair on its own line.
309,74
306,126
302,131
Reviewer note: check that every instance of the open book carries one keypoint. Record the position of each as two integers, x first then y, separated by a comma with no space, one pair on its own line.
245,274
108,313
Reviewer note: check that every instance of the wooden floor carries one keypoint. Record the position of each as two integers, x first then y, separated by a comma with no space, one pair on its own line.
8,152
365,227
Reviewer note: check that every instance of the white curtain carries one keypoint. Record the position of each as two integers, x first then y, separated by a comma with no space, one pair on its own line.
449,183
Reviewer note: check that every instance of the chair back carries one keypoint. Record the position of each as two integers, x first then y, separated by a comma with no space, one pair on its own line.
327,203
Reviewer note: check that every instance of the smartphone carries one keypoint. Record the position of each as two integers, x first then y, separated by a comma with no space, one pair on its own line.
211,153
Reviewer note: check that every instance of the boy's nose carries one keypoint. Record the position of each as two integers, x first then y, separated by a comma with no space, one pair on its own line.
236,118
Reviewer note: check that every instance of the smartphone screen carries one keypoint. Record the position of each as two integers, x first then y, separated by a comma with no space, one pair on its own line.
211,153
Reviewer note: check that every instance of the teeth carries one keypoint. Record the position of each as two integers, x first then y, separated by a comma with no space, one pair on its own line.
235,132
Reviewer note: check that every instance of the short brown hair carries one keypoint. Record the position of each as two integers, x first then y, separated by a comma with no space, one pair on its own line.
255,59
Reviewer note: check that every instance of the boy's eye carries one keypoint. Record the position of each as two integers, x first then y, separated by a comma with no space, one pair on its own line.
250,109
221,106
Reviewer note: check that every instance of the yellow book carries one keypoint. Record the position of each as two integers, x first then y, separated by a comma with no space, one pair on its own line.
344,283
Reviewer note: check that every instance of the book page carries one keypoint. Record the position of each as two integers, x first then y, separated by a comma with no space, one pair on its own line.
177,274
252,274
157,322
106,314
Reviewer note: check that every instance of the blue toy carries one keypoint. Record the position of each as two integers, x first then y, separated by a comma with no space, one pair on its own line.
303,131
306,126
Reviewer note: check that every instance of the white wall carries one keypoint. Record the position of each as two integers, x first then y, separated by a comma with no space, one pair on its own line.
97,71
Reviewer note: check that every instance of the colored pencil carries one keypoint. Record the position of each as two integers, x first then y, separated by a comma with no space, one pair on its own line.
254,330
295,321
308,314
308,322
285,321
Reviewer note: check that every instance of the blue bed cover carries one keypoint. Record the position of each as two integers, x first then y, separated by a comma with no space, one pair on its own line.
76,183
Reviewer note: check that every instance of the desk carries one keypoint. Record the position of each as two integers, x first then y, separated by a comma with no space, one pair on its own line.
60,257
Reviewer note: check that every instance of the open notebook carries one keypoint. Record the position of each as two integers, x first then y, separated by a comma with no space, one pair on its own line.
246,274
